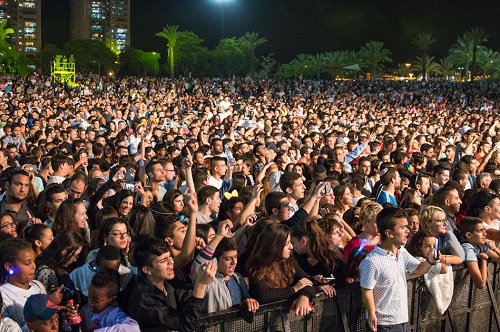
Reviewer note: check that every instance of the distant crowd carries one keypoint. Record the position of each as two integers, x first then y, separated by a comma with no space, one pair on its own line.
140,204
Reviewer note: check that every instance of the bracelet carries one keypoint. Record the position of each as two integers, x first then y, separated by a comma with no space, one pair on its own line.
428,261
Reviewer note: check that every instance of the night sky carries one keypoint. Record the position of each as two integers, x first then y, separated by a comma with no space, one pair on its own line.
301,26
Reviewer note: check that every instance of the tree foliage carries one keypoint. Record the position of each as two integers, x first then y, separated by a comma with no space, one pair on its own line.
476,37
90,55
461,54
137,62
229,57
46,56
10,61
423,41
250,41
191,54
373,55
171,34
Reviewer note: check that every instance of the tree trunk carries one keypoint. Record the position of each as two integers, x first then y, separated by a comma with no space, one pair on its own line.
424,68
474,60
466,74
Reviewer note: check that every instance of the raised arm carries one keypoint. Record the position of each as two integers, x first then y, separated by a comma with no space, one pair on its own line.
188,245
188,163
250,207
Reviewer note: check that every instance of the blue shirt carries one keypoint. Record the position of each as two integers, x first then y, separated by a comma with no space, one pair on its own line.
110,319
234,290
385,197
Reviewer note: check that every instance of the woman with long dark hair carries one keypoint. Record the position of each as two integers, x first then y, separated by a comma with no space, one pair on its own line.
142,221
310,245
53,263
115,232
274,274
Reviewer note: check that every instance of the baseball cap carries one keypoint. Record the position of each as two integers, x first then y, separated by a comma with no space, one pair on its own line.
40,307
464,130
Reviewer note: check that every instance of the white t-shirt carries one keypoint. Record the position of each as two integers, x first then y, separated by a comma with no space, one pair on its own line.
8,325
14,299
214,182
495,224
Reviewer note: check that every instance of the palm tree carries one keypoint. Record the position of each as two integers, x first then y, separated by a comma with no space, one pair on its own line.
446,67
4,32
298,66
316,62
476,36
373,55
428,63
402,70
462,53
334,62
423,41
251,41
171,33
488,60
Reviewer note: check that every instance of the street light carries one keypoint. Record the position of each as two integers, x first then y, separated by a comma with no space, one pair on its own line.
222,6
156,60
408,65
99,66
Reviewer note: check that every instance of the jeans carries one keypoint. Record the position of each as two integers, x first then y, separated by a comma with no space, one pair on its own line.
405,327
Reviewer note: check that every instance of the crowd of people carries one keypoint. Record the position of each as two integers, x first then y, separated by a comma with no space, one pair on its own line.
141,204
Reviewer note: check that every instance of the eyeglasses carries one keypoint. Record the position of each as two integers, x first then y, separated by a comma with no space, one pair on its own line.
170,170
120,235
9,226
441,221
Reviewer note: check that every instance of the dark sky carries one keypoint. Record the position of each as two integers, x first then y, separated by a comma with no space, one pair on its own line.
301,26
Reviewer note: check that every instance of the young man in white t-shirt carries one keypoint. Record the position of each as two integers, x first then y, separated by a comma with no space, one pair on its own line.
383,274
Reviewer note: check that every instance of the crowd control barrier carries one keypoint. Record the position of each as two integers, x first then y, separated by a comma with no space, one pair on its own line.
471,309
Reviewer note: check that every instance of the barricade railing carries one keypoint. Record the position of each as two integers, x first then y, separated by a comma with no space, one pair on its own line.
471,309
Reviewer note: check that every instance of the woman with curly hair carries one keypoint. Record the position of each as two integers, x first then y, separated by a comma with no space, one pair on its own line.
274,274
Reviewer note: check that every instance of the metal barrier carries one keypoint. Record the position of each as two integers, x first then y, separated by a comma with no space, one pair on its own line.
471,309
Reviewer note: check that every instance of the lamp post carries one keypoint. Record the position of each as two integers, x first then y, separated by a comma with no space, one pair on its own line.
408,65
222,6
98,66
156,61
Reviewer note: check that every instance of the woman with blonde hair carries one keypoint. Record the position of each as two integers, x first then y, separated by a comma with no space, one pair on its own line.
433,220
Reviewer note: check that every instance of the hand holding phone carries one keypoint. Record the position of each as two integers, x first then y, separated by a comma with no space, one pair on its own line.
436,249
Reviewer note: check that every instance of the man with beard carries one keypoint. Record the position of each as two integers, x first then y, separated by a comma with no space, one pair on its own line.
14,203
